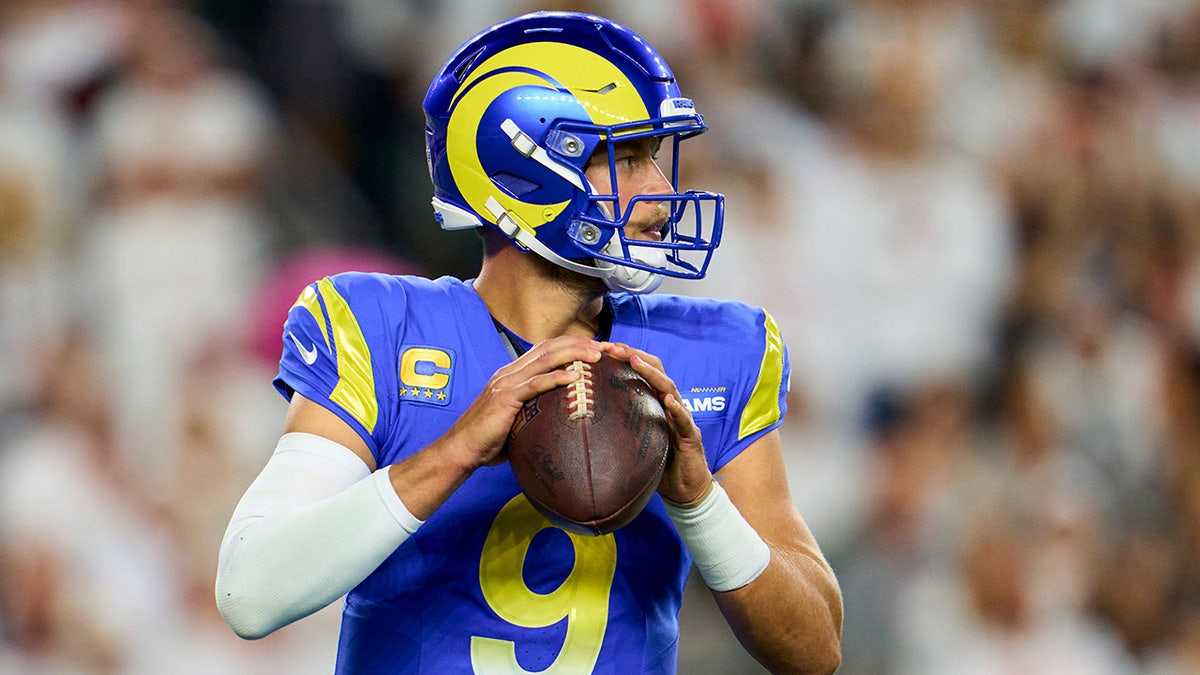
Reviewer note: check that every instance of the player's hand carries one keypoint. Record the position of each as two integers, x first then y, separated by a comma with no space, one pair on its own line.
480,432
686,477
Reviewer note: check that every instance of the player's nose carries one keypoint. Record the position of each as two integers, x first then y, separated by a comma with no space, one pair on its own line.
654,181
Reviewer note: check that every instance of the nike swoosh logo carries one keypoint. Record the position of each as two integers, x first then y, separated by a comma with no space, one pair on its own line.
309,355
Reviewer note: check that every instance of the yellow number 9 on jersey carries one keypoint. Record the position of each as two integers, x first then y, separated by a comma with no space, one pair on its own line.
582,596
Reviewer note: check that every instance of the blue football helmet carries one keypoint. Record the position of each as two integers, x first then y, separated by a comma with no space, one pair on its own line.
515,115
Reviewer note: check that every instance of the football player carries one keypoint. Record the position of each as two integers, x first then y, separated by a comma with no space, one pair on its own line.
556,136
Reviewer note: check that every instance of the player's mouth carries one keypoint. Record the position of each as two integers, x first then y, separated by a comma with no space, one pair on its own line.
652,234
654,230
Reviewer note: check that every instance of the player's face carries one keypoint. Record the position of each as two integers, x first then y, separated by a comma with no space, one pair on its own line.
637,173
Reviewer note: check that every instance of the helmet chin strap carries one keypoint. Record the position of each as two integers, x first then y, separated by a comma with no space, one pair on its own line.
616,277
633,279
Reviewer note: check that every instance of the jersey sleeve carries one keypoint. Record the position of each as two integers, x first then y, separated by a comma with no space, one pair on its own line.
339,350
759,397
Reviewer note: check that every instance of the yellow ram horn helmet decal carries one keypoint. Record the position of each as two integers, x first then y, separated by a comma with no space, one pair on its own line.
599,86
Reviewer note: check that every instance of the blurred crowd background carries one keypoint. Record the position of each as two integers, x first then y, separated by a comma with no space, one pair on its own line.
977,223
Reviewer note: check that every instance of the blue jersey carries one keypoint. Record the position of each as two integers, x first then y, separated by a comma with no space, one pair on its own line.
487,585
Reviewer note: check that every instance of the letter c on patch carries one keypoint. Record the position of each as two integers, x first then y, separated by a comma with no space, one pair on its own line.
425,367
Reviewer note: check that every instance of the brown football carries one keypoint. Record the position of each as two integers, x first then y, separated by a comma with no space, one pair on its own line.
590,455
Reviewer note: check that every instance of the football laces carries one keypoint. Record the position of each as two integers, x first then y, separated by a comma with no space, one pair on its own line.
579,400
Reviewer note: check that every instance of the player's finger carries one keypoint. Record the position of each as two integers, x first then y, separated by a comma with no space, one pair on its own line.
647,365
489,417
653,374
625,352
545,357
680,418
557,352
544,382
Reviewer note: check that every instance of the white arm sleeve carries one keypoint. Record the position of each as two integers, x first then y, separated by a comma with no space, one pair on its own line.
308,529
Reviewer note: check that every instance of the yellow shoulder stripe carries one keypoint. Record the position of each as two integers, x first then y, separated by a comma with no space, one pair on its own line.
355,389
763,408
308,300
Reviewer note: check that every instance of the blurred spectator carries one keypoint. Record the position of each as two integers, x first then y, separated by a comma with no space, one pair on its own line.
99,577
55,52
1101,376
920,231
986,621
85,566
37,204
177,236
349,76
916,476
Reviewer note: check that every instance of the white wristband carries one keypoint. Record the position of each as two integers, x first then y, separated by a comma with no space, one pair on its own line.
728,552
